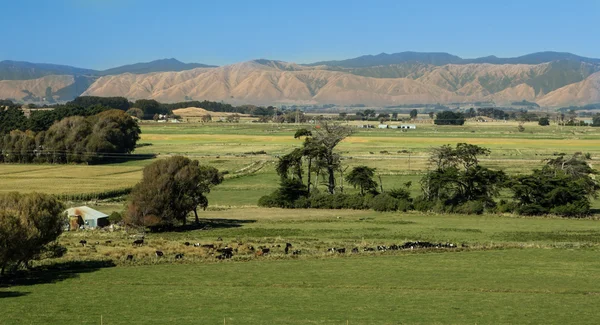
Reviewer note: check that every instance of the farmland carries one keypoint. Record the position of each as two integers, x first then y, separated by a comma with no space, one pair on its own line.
505,269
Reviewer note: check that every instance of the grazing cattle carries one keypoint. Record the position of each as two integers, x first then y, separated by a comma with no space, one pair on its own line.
108,242
341,250
219,239
265,251
381,248
187,243
83,242
226,252
197,245
138,242
394,247
369,249
129,257
179,256
331,250
287,247
296,252
159,253
355,250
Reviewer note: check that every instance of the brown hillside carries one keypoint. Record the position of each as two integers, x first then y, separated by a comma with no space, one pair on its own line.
198,112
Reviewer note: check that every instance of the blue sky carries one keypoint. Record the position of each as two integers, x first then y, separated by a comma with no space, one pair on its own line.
105,33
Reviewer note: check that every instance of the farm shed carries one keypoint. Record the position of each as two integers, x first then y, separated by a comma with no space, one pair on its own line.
91,218
408,126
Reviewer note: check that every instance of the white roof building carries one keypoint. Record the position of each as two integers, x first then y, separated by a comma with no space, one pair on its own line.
91,218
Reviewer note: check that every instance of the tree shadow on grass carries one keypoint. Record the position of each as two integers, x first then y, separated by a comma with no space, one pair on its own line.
205,224
50,274
12,294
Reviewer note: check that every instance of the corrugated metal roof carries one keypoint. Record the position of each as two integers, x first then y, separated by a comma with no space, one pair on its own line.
86,213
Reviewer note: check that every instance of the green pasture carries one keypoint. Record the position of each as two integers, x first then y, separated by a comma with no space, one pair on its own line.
510,270
506,269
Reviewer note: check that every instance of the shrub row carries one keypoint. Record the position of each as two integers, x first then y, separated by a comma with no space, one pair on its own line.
380,202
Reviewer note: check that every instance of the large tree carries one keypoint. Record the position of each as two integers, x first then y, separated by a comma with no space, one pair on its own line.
456,176
563,186
449,118
362,177
28,224
327,136
170,189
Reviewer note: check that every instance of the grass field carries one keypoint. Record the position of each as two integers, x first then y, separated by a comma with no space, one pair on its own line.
506,269
515,270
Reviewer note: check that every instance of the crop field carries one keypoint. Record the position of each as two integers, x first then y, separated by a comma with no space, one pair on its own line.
499,269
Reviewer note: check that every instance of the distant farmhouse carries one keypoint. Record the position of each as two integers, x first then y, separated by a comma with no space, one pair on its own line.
402,126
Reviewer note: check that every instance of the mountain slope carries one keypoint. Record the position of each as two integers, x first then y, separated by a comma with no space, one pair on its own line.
440,59
18,70
580,93
266,82
35,89
154,66
394,58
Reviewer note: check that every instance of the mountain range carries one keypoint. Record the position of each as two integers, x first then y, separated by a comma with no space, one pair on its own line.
551,79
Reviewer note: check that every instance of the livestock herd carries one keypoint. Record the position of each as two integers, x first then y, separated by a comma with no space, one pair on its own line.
221,252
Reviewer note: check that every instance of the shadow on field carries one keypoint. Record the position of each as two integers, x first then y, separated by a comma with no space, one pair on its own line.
50,274
206,224
12,294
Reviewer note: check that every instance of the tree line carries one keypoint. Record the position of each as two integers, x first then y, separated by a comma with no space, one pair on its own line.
456,182
75,139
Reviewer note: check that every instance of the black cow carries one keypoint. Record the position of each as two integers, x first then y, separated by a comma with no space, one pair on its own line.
83,242
129,257
159,253
355,250
187,243
296,252
138,242
341,250
287,247
179,256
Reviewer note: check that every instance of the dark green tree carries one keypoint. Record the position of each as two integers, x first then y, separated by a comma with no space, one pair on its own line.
362,177
449,118
413,114
563,186
456,177
170,189
544,121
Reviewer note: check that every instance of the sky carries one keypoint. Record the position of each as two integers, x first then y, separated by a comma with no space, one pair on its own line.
101,34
